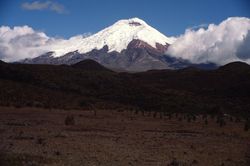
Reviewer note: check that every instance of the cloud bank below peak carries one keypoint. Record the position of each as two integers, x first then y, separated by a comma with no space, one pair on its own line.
22,42
223,43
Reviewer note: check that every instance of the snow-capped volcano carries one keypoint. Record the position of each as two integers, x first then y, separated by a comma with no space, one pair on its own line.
130,45
117,37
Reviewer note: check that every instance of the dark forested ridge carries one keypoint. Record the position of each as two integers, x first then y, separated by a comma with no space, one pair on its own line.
88,84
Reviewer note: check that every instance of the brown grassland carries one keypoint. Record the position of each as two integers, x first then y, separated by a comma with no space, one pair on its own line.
36,136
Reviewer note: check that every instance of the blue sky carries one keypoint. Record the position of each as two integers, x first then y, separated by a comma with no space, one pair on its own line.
171,17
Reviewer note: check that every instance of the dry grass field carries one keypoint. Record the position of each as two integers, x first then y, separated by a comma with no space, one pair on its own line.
32,136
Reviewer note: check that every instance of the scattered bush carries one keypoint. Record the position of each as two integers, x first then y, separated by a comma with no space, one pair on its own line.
136,112
57,153
170,116
237,120
17,106
206,121
231,119
204,116
221,122
212,116
155,114
161,115
83,104
40,141
174,162
69,120
246,126
194,118
194,162
180,119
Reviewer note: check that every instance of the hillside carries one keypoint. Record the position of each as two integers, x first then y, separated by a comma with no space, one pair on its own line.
87,84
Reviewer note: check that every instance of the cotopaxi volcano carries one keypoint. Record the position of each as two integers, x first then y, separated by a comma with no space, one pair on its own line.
127,45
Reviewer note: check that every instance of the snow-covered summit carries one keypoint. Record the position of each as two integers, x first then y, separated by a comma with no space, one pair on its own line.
116,37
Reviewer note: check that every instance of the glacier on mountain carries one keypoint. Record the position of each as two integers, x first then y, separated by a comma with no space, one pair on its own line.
116,37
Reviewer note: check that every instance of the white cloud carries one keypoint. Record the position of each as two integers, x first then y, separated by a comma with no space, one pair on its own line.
23,42
229,41
46,5
243,51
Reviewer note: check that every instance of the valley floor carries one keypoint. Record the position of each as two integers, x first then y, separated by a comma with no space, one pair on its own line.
30,136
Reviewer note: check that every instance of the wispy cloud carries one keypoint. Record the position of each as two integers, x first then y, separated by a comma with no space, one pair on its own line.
198,26
45,5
